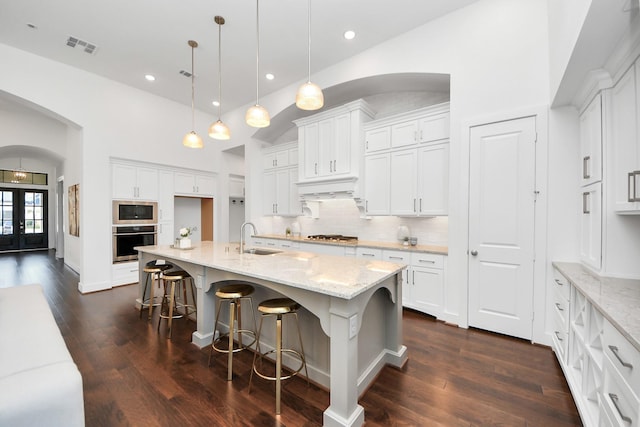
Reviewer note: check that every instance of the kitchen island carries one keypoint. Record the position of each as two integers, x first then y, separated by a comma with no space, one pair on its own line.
355,304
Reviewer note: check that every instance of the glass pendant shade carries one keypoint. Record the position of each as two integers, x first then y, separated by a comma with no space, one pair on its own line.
257,117
219,130
192,140
309,97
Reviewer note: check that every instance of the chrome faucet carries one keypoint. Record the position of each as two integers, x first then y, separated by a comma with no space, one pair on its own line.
242,242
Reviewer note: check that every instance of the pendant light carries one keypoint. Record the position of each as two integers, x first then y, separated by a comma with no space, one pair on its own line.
257,116
19,174
309,96
219,130
192,139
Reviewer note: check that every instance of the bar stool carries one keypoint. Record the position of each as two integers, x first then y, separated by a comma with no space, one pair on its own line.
153,270
170,305
278,307
233,292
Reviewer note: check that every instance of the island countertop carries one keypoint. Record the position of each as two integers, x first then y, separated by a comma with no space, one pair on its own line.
337,276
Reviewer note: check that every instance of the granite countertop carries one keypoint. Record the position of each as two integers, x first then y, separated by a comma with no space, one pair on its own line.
617,299
339,276
442,250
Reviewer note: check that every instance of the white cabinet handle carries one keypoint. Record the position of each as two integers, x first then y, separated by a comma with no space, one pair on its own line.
316,168
396,257
334,166
366,254
585,203
614,399
429,261
414,205
614,350
631,187
586,174
330,166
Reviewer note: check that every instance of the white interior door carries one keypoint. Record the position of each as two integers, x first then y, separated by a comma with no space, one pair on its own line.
501,226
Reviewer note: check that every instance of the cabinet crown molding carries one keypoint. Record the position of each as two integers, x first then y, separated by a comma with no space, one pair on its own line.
359,104
408,115
595,81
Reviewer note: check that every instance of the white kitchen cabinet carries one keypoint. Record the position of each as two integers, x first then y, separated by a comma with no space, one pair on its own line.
377,184
368,253
236,186
276,192
418,164
131,182
591,225
280,193
404,182
193,184
623,146
402,257
124,273
426,283
591,142
330,147
326,146
165,233
561,296
377,139
165,195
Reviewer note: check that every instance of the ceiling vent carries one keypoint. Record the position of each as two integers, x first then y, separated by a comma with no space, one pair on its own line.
86,46
185,73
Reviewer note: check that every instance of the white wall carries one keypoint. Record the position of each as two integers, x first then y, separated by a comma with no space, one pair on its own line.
115,121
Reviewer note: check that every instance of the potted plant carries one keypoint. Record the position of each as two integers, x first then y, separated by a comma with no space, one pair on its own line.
185,242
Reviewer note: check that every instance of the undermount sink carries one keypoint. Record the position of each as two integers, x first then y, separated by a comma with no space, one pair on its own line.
258,251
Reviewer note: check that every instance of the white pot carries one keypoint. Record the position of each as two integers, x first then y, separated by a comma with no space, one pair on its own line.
185,242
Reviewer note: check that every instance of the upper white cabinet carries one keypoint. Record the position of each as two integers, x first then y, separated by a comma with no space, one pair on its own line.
279,191
330,147
165,195
134,182
591,142
623,143
192,184
591,225
411,151
236,186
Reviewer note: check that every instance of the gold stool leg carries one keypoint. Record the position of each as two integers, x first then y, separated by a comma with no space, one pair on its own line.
151,296
304,359
215,328
232,312
278,361
171,303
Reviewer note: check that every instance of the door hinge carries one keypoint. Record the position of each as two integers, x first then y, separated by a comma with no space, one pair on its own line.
536,140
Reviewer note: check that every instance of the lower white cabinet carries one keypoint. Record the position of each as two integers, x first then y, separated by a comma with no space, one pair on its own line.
601,366
423,280
124,273
368,253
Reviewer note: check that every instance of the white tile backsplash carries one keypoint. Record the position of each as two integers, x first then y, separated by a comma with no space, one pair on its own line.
343,217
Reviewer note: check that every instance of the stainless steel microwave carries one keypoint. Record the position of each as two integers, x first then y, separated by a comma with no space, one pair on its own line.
134,212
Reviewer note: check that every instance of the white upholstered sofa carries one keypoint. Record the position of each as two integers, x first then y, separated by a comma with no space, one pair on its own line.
40,385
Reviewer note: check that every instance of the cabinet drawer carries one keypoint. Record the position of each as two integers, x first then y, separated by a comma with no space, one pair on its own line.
397,256
620,402
561,284
624,357
427,260
369,253
561,309
560,336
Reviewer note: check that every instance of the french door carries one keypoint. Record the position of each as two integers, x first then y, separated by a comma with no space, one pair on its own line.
23,217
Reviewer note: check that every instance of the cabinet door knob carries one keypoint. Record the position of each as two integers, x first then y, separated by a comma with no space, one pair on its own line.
474,253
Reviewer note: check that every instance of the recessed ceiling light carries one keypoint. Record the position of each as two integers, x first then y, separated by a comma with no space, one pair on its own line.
149,77
270,76
216,103
349,34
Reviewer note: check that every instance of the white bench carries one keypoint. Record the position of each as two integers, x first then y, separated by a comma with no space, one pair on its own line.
40,385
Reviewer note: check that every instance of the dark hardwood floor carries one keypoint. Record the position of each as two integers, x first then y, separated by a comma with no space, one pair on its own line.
134,376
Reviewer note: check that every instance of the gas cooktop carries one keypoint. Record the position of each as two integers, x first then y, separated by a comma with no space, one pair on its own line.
333,238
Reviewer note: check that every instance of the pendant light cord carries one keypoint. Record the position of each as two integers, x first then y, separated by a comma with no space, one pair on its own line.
220,70
257,51
193,113
309,36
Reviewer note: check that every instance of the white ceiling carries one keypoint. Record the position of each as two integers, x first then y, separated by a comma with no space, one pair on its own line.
144,36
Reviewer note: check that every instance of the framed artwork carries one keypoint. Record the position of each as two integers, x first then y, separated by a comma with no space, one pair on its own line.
74,210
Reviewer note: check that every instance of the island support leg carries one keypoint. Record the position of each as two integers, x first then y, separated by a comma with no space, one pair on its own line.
343,409
205,316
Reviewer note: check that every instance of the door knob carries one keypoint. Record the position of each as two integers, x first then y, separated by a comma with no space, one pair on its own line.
474,253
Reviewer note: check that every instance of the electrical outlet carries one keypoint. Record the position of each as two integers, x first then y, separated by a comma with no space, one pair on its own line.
353,326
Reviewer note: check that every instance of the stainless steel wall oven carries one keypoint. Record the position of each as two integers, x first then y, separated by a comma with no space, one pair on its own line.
127,237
